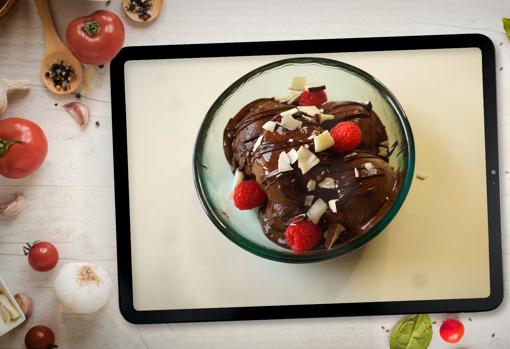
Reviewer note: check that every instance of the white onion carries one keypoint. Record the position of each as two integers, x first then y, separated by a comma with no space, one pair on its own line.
82,288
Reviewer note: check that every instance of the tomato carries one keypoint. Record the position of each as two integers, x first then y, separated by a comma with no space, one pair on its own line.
40,337
451,330
42,256
23,147
97,38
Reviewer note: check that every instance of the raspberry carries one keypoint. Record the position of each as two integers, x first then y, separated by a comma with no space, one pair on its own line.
312,98
347,136
302,236
248,195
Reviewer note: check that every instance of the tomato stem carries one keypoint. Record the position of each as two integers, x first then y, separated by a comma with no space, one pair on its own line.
91,28
5,145
28,246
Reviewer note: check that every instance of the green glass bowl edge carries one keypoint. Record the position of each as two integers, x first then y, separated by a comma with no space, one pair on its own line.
248,245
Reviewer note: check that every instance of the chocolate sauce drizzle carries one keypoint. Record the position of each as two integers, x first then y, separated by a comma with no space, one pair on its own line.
364,195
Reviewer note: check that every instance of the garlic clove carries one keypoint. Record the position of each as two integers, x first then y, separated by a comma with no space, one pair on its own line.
25,303
7,86
3,100
16,85
79,112
14,207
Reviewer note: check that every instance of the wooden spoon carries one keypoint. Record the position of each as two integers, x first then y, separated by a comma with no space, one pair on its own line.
154,12
56,51
6,7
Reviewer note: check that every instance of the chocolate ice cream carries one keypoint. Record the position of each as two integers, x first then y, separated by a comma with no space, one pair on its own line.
358,187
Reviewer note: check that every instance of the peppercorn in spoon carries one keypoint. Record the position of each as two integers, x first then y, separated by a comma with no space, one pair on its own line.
61,72
142,11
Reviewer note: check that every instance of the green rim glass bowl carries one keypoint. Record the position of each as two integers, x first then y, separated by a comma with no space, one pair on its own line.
212,174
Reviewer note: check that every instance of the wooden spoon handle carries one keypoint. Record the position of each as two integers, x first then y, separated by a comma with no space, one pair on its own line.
51,39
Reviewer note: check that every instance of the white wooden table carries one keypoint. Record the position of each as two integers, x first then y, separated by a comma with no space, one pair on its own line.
71,199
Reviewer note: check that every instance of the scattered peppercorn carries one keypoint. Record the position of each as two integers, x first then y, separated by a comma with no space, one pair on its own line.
55,104
140,7
61,74
108,3
492,335
101,66
78,95
98,124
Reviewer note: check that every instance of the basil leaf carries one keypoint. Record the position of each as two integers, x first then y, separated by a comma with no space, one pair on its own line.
506,26
412,332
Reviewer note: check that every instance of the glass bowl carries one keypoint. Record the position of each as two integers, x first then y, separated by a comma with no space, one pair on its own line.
212,174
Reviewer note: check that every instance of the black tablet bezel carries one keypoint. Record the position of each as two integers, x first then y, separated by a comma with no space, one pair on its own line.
309,47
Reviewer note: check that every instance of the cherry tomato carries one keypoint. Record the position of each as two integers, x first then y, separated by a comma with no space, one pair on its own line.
23,147
451,330
40,337
42,256
97,38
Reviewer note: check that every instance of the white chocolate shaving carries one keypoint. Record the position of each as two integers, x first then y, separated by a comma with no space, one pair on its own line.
306,159
327,183
298,83
315,212
269,126
238,178
289,112
257,143
288,97
309,200
293,155
323,141
326,117
309,110
332,205
284,162
290,123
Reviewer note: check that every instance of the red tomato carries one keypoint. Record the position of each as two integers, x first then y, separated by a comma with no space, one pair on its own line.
23,147
40,337
42,256
451,330
97,38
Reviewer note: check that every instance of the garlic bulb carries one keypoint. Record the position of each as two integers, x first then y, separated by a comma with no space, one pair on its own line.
7,86
82,288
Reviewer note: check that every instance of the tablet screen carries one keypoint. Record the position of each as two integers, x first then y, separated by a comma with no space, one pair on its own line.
435,248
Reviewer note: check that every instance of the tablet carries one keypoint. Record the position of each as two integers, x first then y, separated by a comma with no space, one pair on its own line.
440,253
